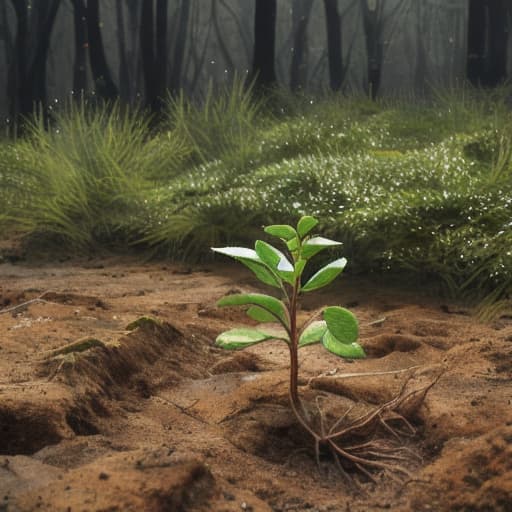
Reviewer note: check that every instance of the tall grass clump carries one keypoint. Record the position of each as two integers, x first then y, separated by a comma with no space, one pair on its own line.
220,126
83,181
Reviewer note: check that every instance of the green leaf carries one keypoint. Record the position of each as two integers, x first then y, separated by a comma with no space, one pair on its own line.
283,231
313,333
268,303
347,350
260,314
325,275
239,338
267,253
305,225
342,324
262,272
292,244
273,257
251,260
276,260
315,245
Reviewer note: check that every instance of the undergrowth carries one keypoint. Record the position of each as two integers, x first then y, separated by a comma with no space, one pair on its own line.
422,190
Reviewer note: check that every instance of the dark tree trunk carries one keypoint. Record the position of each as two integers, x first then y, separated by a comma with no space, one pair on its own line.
124,75
37,73
374,47
420,65
498,39
179,48
103,83
161,52
301,10
263,64
148,51
230,65
27,74
18,92
133,58
334,44
80,64
477,36
488,30
153,43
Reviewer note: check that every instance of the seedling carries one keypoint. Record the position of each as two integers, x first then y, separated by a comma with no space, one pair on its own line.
337,331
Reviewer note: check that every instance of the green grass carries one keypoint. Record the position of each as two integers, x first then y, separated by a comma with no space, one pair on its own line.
412,189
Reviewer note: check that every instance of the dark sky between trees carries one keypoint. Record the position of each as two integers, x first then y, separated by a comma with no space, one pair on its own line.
137,50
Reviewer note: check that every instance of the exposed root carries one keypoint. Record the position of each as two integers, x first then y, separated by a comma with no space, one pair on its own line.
376,451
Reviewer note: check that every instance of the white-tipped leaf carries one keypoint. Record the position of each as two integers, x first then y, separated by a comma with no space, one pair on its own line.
267,253
325,275
346,350
237,252
342,324
251,260
240,338
313,333
273,257
315,245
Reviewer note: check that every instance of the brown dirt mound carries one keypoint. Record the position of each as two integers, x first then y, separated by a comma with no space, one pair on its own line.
470,474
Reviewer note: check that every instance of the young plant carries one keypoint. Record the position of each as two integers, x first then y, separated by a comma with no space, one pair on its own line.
338,331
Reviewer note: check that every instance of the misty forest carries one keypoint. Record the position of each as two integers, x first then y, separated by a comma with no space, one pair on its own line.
137,135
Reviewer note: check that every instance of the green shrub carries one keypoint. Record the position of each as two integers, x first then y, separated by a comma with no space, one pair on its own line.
78,181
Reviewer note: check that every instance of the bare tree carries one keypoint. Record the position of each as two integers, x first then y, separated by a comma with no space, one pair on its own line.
178,54
333,24
103,83
420,64
153,41
263,64
81,44
374,23
124,74
27,70
488,27
301,11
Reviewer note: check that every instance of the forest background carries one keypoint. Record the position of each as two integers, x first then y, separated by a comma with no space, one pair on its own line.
178,125
53,49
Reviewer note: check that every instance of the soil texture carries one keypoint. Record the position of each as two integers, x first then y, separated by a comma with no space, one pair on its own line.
113,397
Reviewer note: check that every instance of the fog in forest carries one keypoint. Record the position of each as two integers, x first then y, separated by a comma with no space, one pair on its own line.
378,47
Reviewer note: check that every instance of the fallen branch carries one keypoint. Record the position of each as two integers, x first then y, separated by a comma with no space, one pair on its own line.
27,303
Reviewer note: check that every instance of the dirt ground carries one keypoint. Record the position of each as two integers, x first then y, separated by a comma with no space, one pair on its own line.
152,417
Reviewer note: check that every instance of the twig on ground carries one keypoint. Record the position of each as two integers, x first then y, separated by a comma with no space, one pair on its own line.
27,303
332,374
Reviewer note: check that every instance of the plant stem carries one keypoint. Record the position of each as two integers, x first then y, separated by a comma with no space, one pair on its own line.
294,363
294,346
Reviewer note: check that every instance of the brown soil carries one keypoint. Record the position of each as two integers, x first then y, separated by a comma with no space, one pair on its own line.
97,414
